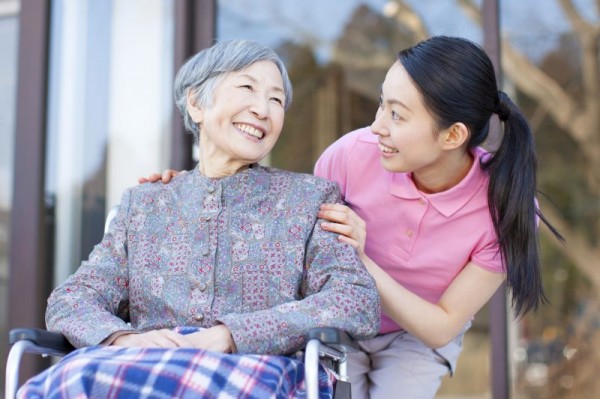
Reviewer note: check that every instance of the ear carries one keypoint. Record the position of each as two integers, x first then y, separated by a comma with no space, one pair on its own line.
193,108
455,136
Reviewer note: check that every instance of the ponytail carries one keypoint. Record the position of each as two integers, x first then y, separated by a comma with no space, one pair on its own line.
511,199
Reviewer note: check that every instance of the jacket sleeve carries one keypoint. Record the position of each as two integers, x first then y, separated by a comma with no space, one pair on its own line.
337,291
93,302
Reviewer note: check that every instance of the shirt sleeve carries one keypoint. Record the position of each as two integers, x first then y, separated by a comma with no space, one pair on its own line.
332,164
337,291
487,253
92,303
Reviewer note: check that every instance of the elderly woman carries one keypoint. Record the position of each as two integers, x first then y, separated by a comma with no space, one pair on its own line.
228,258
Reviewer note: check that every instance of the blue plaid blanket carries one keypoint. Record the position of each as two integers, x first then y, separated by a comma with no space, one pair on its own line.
117,372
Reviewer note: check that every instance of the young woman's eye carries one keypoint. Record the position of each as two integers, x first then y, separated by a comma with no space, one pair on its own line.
396,116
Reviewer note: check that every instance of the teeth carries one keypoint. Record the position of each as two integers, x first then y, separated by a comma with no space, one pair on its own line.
386,149
250,130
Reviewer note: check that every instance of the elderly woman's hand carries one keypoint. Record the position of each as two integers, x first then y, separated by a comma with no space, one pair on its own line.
345,222
216,339
154,339
165,177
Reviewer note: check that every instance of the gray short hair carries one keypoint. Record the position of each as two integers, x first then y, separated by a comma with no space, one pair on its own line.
203,72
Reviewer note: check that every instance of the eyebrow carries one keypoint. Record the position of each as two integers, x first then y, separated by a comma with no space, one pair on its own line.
251,78
395,102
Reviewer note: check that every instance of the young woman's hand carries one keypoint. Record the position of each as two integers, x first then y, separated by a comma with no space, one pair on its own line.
344,221
165,177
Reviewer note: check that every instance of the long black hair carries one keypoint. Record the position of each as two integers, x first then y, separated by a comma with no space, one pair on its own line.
457,82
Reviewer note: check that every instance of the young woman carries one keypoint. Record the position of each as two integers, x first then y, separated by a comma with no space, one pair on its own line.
439,222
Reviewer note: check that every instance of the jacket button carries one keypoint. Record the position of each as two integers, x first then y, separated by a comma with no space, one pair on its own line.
199,317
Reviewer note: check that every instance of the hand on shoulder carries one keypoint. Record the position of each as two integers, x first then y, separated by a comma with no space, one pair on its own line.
165,177
342,220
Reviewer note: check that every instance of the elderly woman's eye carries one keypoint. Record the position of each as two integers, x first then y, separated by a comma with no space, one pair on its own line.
247,87
277,100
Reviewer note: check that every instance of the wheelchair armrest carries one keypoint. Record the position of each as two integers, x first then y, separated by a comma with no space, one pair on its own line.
333,338
35,341
326,343
56,342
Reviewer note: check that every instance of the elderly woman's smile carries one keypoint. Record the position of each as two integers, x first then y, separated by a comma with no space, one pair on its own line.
244,120
253,131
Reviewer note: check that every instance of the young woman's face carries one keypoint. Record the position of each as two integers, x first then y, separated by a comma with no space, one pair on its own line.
407,138
245,119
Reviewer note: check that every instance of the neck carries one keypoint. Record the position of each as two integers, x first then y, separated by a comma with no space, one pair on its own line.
215,164
445,174
216,171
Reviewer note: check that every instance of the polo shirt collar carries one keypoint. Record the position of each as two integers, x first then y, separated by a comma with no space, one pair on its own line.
446,202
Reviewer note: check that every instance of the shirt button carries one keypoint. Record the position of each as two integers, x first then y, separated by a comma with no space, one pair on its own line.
205,251
211,189
199,317
409,233
422,201
201,287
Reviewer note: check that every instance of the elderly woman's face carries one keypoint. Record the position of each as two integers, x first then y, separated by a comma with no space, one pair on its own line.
245,119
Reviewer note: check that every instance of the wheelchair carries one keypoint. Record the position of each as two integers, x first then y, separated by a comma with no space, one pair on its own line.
328,345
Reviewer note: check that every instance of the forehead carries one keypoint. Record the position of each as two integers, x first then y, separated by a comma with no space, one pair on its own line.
399,86
263,72
398,78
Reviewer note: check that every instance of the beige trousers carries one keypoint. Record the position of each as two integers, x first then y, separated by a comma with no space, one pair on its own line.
399,366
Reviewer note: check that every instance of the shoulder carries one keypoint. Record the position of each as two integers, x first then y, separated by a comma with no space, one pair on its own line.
146,191
341,155
304,183
300,179
349,141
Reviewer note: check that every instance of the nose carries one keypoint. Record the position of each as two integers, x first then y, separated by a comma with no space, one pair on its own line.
378,127
260,107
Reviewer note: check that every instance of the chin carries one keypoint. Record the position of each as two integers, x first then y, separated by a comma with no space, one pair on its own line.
389,165
395,168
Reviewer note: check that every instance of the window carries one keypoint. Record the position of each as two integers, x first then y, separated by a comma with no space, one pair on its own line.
9,34
110,105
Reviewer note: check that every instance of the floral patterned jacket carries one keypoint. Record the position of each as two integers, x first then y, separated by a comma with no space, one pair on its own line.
246,251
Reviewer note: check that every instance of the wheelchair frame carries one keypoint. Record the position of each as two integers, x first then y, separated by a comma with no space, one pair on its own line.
328,343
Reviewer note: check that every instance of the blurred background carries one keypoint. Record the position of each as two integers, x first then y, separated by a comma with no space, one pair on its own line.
86,107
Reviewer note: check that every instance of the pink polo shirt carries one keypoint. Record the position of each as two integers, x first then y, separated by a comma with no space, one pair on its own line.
422,240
